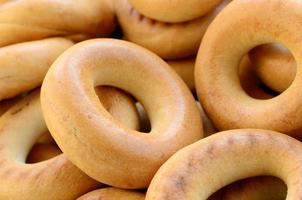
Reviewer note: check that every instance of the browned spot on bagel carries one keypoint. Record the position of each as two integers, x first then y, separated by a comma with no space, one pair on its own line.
210,151
180,183
231,141
252,139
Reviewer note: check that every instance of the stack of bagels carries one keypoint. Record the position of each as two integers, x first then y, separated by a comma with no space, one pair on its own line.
155,100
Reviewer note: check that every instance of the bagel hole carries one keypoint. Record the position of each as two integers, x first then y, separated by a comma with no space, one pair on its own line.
45,148
124,107
251,83
273,70
144,120
261,187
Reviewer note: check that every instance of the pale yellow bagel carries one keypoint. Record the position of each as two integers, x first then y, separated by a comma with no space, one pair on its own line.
275,65
113,194
174,10
168,40
260,188
26,20
199,170
42,152
56,178
216,71
23,66
112,153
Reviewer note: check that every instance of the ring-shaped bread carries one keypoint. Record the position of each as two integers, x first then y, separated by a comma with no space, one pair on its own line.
105,149
55,178
216,70
199,170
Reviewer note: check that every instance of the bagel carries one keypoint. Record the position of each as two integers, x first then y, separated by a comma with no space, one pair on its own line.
112,153
56,178
23,66
42,152
27,20
260,188
168,40
113,194
175,10
275,66
216,71
200,169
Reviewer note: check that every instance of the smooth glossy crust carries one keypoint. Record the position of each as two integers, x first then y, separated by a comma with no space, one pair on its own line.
111,152
200,169
216,71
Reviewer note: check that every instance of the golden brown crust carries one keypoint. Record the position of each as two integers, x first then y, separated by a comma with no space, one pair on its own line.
113,194
27,20
111,152
196,171
217,82
275,65
174,10
168,40
23,66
